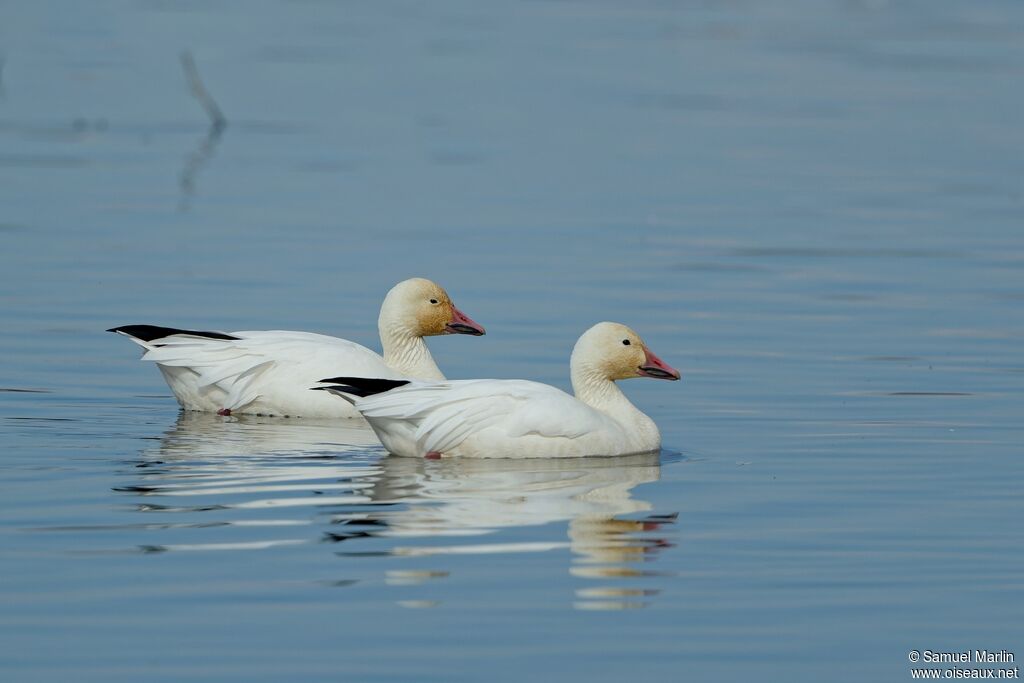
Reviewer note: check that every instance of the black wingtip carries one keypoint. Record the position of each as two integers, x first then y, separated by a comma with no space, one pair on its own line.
148,333
362,386
340,392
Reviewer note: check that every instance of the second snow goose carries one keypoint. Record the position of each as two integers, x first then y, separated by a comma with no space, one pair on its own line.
267,372
495,418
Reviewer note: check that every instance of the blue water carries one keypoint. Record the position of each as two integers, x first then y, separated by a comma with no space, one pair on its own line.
813,209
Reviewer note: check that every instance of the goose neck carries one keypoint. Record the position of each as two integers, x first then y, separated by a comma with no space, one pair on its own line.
406,352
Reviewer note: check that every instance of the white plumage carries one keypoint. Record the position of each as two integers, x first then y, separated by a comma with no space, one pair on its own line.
491,418
270,372
262,372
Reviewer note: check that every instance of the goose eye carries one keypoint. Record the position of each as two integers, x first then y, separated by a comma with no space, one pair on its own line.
433,301
625,342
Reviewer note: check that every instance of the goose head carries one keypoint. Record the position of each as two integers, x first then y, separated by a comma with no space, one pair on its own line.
423,309
613,351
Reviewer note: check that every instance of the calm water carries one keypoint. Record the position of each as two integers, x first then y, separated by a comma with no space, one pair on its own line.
813,209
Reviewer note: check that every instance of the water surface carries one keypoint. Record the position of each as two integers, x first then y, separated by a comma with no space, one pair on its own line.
813,209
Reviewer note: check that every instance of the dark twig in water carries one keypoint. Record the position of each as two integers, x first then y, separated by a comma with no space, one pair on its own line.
199,158
195,83
195,162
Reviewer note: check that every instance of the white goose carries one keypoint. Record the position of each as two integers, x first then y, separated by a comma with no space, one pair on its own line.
494,418
268,372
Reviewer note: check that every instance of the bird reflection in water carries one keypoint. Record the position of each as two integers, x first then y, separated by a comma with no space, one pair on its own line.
257,463
610,532
276,478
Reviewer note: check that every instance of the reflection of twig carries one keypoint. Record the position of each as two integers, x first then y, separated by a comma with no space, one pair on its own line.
217,119
197,159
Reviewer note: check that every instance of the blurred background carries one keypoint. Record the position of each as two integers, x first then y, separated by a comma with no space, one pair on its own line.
812,208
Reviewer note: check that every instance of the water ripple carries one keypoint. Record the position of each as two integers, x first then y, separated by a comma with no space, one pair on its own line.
334,485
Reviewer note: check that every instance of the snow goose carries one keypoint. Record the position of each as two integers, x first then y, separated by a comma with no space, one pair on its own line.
493,418
268,372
